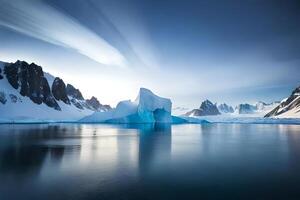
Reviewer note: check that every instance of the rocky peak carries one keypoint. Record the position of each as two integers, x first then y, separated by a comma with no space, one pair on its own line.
94,103
296,92
31,81
73,92
59,90
208,108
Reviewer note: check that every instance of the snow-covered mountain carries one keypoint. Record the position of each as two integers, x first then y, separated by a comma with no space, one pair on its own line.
224,108
259,109
29,94
206,108
288,108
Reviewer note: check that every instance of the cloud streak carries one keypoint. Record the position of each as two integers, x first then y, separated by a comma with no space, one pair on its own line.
41,21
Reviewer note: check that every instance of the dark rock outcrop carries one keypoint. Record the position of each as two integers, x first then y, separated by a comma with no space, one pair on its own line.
73,92
59,90
31,81
206,108
2,98
11,72
1,77
94,104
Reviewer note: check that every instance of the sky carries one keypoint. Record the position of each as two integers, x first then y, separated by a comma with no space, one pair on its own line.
231,51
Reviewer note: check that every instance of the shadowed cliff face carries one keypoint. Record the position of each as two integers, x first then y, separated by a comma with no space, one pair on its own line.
73,92
31,82
59,90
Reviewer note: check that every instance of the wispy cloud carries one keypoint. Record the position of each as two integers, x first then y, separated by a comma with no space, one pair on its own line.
39,20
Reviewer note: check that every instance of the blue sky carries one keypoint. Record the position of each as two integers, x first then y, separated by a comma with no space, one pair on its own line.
227,51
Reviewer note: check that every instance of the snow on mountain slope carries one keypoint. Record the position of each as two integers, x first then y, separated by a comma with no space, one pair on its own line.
288,108
27,96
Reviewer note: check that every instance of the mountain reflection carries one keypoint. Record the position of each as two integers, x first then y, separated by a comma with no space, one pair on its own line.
24,149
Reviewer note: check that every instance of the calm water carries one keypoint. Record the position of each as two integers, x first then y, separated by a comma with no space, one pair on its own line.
216,161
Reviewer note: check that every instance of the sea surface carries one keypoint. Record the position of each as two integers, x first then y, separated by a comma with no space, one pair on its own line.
192,161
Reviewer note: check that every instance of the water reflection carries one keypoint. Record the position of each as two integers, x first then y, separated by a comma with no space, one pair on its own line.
76,161
23,149
154,147
292,135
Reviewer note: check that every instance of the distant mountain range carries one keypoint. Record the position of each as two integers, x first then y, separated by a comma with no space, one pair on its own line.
27,92
207,108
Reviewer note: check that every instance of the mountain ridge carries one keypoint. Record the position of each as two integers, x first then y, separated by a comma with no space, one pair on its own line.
27,85
243,109
289,107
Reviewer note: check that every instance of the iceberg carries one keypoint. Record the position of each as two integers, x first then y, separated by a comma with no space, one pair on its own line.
152,108
147,108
